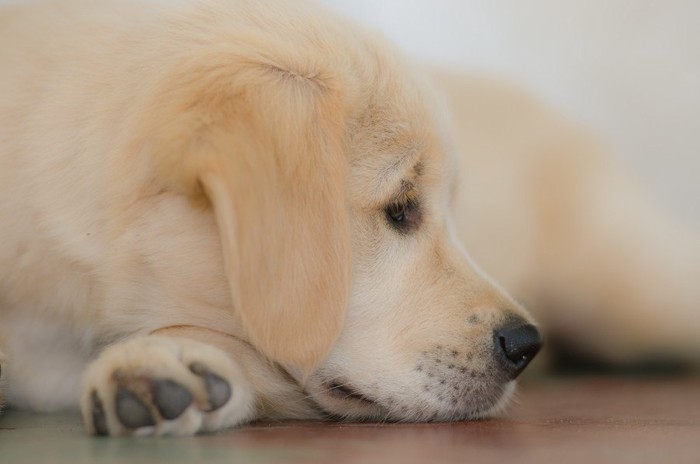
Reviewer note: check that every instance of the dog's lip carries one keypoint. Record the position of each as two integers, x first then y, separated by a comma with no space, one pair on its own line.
339,389
335,395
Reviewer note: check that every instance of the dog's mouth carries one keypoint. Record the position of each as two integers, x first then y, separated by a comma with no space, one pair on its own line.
342,390
342,400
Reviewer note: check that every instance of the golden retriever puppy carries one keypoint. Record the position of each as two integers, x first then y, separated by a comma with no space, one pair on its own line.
233,210
228,211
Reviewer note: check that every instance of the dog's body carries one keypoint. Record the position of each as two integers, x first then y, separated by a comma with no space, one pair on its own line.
200,193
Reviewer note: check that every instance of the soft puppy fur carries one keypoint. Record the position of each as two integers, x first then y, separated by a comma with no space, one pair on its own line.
227,211
243,207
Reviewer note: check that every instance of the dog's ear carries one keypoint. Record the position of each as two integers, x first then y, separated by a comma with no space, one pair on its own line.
266,150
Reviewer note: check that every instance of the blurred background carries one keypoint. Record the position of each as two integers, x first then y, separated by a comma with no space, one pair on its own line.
627,69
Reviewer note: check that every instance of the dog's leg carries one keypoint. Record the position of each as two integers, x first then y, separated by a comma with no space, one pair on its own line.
184,380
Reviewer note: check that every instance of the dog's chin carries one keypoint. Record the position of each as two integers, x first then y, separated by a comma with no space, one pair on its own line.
341,400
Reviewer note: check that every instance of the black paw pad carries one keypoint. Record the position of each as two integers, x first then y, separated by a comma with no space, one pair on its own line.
131,411
99,419
170,398
218,389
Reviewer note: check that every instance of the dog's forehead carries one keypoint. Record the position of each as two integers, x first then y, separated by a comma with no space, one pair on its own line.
398,135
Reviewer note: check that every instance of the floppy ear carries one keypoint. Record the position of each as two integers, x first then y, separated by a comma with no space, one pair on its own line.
268,155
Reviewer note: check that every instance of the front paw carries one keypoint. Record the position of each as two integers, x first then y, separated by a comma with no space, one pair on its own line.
159,385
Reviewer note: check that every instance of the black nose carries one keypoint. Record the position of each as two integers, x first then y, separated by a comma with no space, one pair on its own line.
516,345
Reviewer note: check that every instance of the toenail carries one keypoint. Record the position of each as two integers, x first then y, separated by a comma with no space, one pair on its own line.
99,419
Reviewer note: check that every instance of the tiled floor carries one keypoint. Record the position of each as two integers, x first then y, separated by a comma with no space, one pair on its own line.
574,420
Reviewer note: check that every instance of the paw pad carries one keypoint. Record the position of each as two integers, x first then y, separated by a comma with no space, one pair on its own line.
218,389
161,386
131,411
167,397
170,398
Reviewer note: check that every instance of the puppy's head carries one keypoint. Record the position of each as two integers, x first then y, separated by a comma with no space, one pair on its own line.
426,336
330,176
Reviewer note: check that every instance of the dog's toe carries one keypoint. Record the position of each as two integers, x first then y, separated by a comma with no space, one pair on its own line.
170,398
131,411
99,419
218,389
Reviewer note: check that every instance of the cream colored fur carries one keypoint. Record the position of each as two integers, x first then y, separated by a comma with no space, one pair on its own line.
209,184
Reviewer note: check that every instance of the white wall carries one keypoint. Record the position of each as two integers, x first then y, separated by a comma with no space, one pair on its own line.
629,69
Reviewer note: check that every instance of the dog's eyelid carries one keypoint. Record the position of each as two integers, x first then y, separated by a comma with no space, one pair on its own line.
403,211
407,192
408,183
401,172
